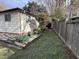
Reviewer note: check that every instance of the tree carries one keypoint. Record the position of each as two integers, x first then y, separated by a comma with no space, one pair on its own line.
50,4
59,13
56,8
38,10
42,18
34,8
73,2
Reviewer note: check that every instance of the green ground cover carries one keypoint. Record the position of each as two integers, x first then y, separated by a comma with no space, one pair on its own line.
48,46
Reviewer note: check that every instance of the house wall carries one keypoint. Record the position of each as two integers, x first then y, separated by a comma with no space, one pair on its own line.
24,24
28,23
11,27
75,13
33,23
20,23
78,12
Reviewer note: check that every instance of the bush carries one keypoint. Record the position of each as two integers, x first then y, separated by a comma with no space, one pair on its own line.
30,33
37,31
22,38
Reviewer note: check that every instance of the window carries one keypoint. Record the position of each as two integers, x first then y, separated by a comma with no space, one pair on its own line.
74,14
7,17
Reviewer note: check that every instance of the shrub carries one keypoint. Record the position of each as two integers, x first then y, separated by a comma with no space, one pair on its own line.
37,31
22,38
30,33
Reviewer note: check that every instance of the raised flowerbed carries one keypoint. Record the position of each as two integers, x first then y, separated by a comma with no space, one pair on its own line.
29,40
21,41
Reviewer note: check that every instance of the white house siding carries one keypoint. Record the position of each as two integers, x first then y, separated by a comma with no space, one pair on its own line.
11,27
33,23
75,13
28,23
20,23
14,25
25,27
2,25
78,12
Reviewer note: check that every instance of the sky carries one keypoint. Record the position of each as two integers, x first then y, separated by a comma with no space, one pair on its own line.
68,2
14,3
20,3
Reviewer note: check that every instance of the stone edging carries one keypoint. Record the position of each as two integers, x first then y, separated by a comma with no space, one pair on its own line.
19,45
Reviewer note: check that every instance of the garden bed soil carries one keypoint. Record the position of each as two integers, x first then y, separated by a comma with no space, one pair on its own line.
20,45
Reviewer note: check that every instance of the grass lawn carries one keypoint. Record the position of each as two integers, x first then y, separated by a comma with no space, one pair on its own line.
5,52
48,46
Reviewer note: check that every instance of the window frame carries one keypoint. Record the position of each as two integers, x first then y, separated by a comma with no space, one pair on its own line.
7,17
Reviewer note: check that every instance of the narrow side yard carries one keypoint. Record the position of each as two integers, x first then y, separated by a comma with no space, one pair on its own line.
48,46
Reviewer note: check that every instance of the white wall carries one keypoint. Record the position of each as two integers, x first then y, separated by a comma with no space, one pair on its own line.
25,27
78,12
33,23
12,26
28,24
19,23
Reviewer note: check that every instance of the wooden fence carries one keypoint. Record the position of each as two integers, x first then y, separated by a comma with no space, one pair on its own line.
69,33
